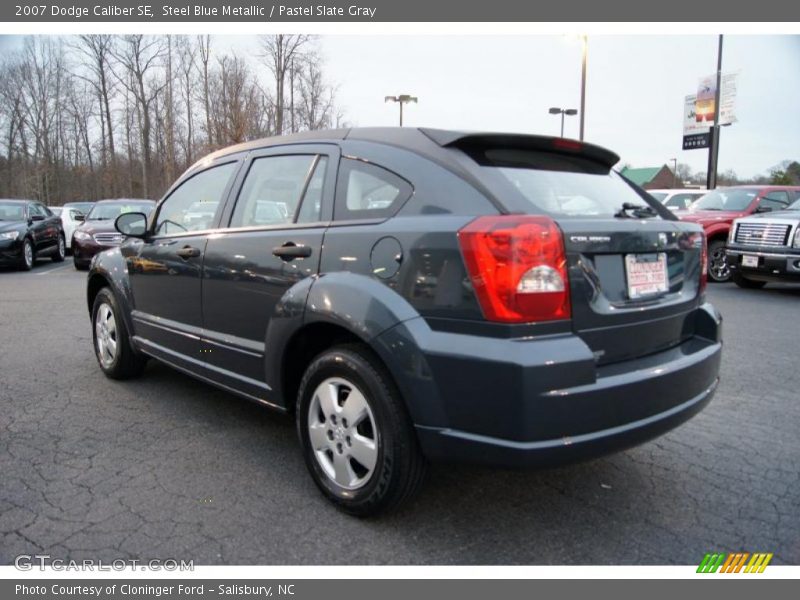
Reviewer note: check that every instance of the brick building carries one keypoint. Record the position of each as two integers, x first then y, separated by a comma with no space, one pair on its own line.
652,178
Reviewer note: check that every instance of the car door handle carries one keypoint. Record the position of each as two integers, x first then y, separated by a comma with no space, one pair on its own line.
290,251
188,252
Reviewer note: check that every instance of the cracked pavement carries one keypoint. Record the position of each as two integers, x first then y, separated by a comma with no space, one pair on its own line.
168,467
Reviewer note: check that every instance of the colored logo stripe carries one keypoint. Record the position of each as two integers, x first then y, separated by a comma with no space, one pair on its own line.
734,562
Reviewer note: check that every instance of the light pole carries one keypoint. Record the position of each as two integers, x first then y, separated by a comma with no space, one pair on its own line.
674,171
584,52
563,111
401,99
713,147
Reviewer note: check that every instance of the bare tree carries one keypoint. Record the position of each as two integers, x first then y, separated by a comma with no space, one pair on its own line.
96,49
279,52
317,98
139,55
204,50
97,116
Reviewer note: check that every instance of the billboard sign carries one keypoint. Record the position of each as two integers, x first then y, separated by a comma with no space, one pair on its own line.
695,133
706,98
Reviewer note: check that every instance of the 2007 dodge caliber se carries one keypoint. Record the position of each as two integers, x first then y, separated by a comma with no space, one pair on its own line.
416,295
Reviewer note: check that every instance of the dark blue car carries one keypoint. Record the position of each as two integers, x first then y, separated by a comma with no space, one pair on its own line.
416,295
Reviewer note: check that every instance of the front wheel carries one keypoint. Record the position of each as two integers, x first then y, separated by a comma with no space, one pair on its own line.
112,344
27,258
748,284
358,441
718,270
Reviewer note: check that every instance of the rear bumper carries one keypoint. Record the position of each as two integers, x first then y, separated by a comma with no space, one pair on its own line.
462,446
544,401
778,264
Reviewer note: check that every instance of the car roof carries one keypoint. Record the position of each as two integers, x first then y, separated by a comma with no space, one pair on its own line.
679,191
124,200
424,141
17,201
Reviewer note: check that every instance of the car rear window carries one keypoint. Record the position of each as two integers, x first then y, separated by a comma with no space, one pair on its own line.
556,184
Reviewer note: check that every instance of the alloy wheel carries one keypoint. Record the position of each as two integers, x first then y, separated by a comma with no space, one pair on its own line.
342,433
105,327
27,252
718,264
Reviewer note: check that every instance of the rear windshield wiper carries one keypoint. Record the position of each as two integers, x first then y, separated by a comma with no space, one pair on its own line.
630,210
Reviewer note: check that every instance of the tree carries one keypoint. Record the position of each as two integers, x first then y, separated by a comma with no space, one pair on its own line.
99,116
95,50
139,55
281,52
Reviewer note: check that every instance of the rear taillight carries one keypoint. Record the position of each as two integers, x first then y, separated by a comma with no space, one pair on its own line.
698,240
518,267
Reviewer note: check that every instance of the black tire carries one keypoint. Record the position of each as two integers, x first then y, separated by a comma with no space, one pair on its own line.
80,265
125,363
27,256
61,250
748,284
399,468
718,269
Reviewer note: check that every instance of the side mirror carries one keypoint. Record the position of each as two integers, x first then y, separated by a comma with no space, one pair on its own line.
762,209
37,218
132,224
79,217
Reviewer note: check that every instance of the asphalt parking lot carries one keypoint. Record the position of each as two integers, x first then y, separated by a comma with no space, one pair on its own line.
167,467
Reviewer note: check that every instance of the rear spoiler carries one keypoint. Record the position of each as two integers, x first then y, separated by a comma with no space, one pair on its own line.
476,141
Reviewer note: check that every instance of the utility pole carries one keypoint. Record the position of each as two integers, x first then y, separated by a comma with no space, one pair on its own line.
674,171
713,145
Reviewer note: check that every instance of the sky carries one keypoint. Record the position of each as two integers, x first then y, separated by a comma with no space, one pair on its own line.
636,86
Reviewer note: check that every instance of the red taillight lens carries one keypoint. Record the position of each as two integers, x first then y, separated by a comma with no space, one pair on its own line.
518,267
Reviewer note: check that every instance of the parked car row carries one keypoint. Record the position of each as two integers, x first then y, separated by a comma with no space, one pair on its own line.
718,210
29,230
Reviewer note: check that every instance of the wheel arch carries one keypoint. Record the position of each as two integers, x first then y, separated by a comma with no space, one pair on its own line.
344,308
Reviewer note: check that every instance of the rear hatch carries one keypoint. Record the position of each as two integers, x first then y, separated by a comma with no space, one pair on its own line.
634,284
634,271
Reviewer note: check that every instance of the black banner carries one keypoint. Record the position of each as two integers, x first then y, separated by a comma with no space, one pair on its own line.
393,11
335,589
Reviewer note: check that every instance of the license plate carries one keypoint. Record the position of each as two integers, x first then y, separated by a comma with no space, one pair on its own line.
647,274
749,260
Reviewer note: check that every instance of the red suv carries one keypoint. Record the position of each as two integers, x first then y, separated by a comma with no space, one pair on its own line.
716,211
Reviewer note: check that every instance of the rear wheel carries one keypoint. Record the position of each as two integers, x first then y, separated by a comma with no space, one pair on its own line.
718,270
358,440
27,258
61,250
750,284
112,344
